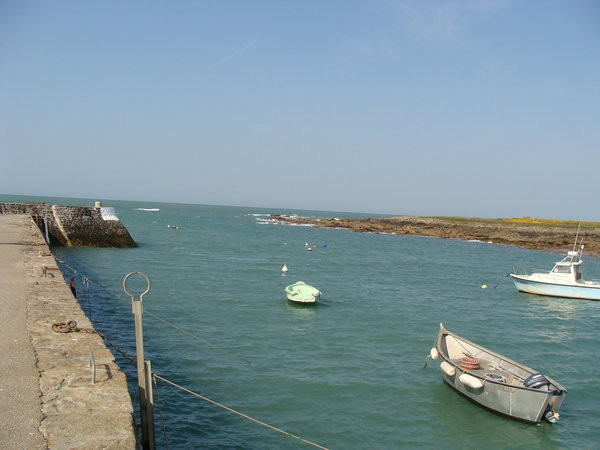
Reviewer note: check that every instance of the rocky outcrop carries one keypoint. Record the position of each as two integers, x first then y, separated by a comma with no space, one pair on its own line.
528,233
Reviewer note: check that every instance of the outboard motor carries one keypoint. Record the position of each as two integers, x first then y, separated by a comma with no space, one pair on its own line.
537,381
550,415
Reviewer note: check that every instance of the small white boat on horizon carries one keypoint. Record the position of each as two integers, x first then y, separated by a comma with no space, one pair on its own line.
564,280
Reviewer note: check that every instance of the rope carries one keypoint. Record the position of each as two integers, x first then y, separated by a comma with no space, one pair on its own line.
181,330
503,278
87,281
237,412
466,352
123,353
166,322
428,357
162,420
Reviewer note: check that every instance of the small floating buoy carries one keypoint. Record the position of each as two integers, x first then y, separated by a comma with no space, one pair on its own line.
484,286
309,249
284,269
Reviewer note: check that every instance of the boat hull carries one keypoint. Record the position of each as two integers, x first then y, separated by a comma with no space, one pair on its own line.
497,383
524,284
520,404
304,301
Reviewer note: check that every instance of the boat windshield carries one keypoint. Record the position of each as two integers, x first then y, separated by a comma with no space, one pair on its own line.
561,269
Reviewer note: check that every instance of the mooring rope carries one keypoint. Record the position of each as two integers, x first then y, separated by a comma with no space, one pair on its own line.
166,322
181,330
187,333
154,375
162,420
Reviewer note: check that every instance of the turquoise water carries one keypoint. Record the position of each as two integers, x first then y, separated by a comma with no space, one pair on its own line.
348,372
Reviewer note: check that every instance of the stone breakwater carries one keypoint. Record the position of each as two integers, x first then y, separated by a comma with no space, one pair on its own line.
75,226
76,413
546,235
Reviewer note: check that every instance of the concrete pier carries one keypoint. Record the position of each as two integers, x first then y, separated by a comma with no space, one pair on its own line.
75,226
47,392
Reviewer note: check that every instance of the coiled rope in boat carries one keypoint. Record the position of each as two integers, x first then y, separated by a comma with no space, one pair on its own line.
467,363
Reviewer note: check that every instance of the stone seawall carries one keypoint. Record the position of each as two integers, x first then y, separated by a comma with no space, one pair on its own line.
75,226
77,413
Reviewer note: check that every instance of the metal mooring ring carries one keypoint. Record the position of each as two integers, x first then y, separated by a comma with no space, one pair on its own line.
125,285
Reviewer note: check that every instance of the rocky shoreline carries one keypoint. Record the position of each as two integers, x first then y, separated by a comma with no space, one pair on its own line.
539,234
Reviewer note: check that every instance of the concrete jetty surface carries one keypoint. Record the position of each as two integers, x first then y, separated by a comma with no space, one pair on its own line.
19,386
49,396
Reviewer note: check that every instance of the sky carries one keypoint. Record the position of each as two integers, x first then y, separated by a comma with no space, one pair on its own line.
477,108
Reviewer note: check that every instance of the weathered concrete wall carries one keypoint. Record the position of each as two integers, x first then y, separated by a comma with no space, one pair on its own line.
76,226
76,413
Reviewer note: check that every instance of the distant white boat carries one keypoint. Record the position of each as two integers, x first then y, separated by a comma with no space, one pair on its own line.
147,209
284,269
564,280
300,292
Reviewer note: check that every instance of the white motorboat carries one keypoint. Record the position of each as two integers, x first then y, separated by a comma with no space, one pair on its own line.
564,280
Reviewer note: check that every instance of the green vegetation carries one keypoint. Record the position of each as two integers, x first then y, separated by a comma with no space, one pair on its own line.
526,221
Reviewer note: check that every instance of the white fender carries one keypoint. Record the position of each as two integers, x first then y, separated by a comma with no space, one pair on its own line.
447,368
434,353
471,381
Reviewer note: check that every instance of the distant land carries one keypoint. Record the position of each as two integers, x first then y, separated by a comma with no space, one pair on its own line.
527,232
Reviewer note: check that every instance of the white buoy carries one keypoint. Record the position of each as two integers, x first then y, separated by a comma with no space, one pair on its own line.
284,269
434,354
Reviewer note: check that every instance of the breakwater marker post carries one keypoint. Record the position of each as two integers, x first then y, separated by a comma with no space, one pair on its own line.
143,367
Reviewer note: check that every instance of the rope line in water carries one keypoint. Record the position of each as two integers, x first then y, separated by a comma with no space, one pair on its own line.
166,322
162,420
237,412
123,353
187,333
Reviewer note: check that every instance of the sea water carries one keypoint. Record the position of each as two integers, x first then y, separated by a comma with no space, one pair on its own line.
349,371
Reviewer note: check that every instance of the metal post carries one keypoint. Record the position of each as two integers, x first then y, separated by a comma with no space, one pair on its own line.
92,363
149,402
146,411
46,228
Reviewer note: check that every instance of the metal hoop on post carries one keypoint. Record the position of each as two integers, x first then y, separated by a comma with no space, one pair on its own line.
143,367
132,295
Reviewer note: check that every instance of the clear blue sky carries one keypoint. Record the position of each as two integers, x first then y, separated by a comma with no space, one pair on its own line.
472,108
